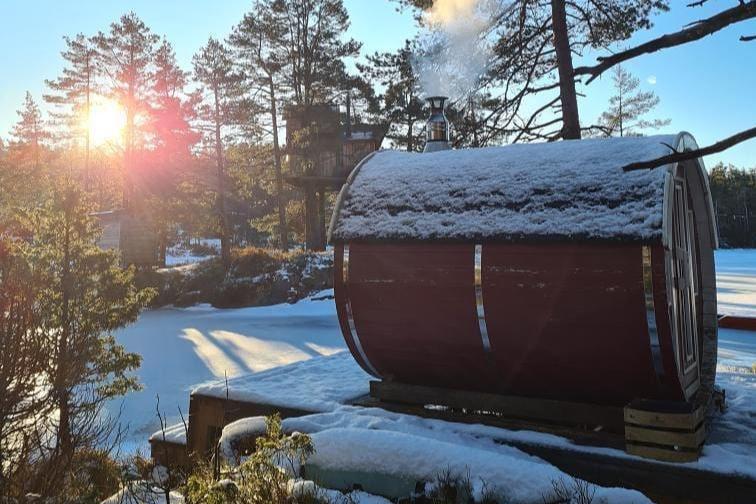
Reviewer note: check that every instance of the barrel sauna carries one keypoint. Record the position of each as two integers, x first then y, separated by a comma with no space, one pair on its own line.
540,270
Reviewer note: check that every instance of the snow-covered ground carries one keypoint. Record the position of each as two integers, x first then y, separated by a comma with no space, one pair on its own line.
185,347
179,254
736,282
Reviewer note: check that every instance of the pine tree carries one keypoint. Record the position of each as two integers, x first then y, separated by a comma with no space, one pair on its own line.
171,157
29,133
627,106
734,193
314,46
221,94
126,54
173,109
258,41
402,106
72,92
22,361
84,296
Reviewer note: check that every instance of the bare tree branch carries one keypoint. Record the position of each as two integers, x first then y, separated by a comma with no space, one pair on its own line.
700,29
747,38
678,157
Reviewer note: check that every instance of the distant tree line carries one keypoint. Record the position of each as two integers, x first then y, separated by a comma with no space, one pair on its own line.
734,194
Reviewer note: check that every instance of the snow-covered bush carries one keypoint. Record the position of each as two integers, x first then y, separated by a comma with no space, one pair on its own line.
257,276
265,477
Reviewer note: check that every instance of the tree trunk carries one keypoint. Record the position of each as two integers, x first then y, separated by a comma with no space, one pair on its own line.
312,226
321,219
567,93
129,147
89,128
410,137
222,217
621,116
282,231
64,442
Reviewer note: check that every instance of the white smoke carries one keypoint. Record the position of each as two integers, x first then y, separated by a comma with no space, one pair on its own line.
454,53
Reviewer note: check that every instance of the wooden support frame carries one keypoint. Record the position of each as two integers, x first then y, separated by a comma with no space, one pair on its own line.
670,432
544,411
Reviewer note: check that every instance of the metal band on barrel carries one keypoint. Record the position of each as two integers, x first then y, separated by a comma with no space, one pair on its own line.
479,298
350,315
653,332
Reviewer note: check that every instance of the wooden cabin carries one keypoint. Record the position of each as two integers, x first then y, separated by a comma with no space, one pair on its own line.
539,270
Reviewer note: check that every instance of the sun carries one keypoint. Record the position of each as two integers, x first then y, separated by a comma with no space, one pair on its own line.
107,119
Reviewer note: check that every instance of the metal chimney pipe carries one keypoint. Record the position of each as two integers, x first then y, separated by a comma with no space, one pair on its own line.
437,128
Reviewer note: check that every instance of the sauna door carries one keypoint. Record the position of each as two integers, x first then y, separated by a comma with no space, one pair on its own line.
684,287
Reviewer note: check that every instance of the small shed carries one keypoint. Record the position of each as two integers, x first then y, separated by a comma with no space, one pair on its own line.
539,270
131,234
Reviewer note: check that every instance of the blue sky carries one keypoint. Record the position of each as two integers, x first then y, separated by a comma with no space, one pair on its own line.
707,87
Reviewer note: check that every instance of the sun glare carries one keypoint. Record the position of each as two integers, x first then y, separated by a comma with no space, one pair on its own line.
107,119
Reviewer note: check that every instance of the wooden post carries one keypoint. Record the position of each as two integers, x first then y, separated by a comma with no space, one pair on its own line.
321,219
312,229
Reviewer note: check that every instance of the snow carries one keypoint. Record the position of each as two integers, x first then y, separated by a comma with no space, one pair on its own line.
173,434
396,445
303,488
143,493
320,384
568,189
238,430
736,282
181,254
183,347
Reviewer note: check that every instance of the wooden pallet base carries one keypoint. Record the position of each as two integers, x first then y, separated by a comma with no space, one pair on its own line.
671,432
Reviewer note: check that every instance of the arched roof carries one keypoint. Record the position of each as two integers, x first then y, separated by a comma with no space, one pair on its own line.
572,189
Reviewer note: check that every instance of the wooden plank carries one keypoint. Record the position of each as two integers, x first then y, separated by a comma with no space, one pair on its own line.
735,322
662,454
685,421
558,412
692,440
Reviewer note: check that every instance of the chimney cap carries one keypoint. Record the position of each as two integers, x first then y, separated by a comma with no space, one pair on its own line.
437,102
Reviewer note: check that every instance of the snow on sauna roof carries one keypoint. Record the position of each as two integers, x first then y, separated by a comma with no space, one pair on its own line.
570,189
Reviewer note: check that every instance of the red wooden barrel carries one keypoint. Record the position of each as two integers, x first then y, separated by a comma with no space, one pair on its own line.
614,312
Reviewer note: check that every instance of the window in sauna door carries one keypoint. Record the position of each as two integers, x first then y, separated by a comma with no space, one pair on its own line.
684,285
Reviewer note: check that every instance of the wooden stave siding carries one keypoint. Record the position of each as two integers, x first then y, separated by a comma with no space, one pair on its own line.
414,311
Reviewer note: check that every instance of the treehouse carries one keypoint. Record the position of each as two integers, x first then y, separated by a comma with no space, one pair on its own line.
539,270
323,147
